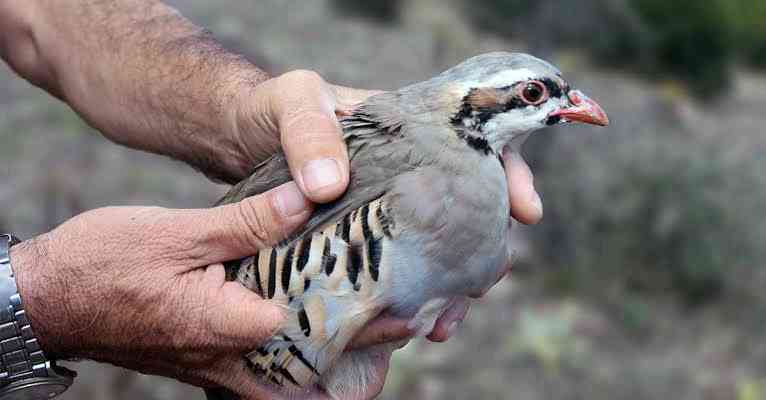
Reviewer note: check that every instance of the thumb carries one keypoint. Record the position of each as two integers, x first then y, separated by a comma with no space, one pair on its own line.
347,98
239,230
237,316
525,203
304,108
248,318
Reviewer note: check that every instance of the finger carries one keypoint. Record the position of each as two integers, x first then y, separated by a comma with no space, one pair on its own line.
384,329
380,358
238,317
239,230
449,321
347,99
311,135
526,206
500,275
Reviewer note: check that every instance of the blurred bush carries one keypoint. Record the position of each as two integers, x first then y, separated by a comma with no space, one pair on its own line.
692,41
748,21
499,16
657,214
381,11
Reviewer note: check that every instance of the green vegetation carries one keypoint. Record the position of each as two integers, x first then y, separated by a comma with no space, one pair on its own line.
747,19
692,41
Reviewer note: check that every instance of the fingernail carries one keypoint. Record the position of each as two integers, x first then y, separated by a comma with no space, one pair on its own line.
289,200
537,203
318,174
458,311
512,156
452,328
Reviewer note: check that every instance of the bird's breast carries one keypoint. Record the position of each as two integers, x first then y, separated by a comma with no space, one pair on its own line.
455,231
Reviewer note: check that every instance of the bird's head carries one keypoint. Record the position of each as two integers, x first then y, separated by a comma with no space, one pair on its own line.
506,96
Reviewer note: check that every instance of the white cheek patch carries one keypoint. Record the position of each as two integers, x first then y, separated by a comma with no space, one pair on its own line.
511,122
504,127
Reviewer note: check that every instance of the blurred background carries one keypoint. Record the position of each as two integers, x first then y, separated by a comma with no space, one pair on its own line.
644,280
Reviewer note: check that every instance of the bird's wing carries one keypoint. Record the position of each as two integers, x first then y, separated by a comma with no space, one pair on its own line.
378,152
266,176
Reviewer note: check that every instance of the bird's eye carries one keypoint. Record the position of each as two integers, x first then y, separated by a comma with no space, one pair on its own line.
534,93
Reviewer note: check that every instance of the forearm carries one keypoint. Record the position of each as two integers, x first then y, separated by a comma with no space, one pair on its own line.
138,71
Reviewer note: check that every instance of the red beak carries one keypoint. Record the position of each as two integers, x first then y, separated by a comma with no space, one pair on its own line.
583,109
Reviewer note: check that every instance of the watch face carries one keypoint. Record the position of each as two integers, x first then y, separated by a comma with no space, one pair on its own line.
34,389
12,240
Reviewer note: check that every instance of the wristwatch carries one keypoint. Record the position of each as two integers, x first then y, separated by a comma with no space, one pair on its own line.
25,372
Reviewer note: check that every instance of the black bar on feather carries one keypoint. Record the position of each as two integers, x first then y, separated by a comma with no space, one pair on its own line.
272,273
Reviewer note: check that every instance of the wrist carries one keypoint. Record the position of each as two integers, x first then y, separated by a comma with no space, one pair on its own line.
232,156
30,264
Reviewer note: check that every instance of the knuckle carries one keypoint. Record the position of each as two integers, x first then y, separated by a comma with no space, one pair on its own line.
303,76
258,220
307,104
177,245
302,121
311,136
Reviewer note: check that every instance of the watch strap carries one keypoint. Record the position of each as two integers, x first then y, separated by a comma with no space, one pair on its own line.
20,353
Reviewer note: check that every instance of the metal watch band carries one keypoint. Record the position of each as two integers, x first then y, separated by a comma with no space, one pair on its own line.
20,353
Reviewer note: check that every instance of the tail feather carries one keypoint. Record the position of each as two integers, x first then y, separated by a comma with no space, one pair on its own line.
309,343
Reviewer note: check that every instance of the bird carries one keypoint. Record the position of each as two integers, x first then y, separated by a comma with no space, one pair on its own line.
424,219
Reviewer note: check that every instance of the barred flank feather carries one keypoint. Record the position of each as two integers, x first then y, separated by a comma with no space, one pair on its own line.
329,281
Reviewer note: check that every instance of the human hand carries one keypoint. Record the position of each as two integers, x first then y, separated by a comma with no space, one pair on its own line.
144,288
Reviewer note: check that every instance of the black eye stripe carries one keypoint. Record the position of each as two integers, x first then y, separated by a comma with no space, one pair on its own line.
553,87
470,119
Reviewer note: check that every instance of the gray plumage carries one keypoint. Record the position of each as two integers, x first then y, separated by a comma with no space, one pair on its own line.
425,217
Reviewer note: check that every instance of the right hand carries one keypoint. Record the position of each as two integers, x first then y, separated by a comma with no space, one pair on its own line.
144,287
